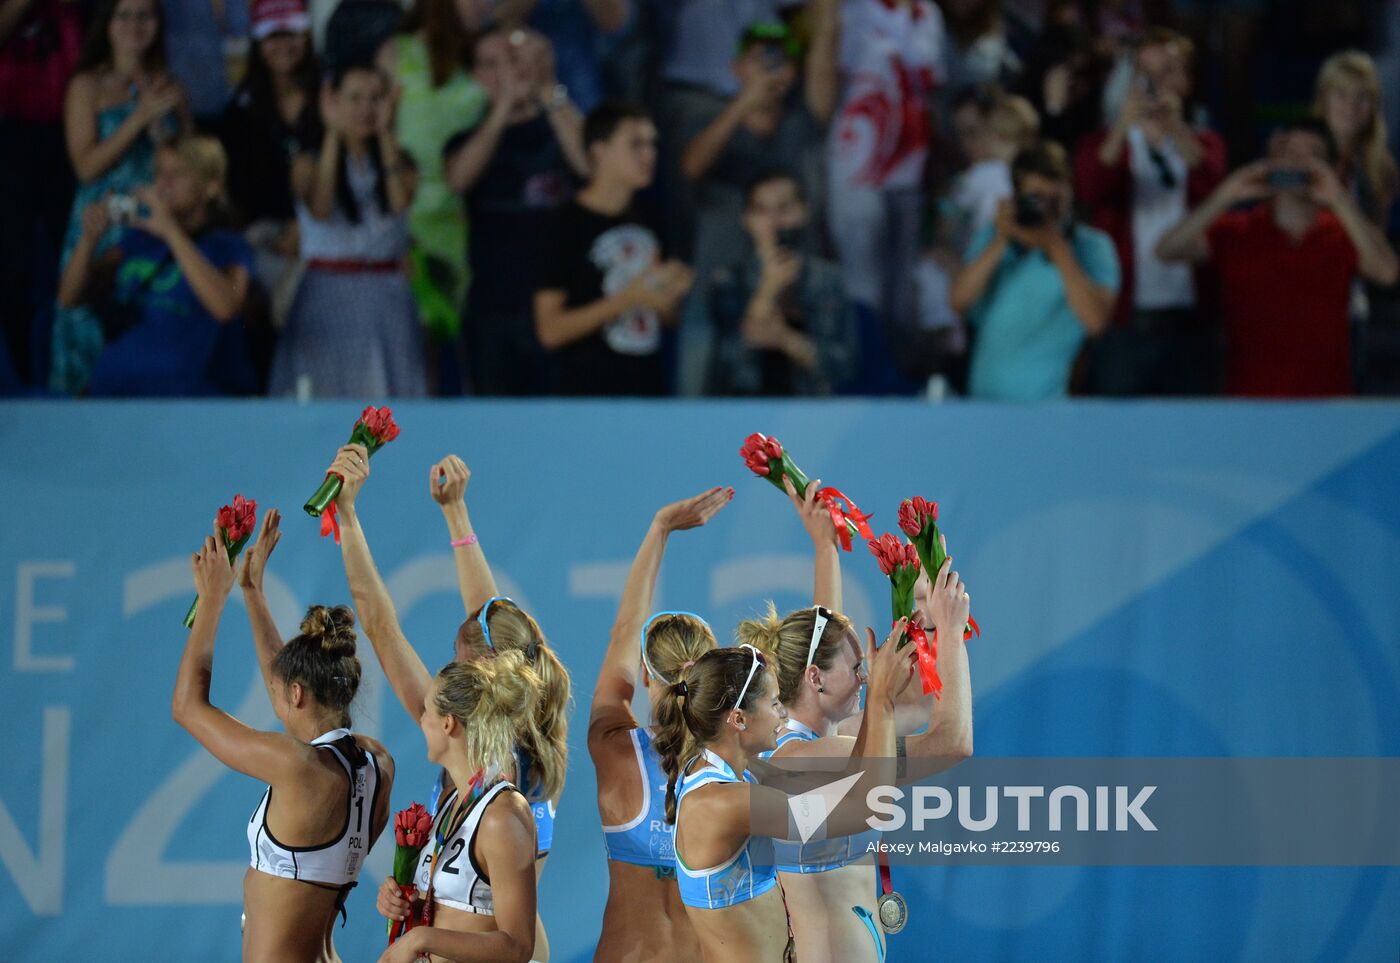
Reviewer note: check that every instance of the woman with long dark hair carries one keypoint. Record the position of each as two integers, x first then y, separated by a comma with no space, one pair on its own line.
353,329
270,119
121,103
309,837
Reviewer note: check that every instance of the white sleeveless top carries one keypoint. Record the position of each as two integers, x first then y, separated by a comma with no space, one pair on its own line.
379,235
336,863
459,882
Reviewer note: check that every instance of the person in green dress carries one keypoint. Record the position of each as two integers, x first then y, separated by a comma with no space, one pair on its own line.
437,99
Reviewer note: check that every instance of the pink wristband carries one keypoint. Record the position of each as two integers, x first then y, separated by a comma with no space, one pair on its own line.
464,542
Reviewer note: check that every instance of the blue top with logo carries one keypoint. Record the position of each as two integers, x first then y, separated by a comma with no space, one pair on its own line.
646,839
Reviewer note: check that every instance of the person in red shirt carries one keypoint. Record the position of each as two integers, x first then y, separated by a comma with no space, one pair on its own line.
1137,179
1286,266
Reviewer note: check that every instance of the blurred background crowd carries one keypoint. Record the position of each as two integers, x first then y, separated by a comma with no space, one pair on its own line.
1000,199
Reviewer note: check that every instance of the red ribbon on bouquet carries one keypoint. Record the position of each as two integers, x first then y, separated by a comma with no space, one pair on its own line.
926,648
765,457
845,515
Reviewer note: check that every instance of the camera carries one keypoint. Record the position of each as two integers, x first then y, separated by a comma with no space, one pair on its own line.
1288,178
121,208
1030,211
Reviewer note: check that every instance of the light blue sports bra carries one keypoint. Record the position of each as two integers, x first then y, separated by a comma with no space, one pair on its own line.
746,875
645,839
819,855
540,807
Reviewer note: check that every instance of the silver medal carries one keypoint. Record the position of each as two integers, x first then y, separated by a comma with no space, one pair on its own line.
893,912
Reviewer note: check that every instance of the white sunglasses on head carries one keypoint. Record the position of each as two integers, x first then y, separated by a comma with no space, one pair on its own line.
758,660
819,620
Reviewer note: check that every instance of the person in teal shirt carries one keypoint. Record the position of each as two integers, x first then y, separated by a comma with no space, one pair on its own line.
1034,284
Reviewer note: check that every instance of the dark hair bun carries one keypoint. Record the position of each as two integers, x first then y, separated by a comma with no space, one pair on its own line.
334,628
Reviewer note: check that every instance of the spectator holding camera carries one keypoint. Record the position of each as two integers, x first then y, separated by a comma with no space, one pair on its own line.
171,289
1034,284
603,289
782,322
121,103
515,167
1137,179
353,329
1286,265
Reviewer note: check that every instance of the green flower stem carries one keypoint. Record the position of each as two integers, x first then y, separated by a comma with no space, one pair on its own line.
330,488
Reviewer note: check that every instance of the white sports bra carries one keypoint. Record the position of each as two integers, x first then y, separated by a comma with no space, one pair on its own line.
459,882
336,863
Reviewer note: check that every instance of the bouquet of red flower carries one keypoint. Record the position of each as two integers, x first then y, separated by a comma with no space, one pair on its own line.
236,523
374,430
766,458
900,562
918,518
412,827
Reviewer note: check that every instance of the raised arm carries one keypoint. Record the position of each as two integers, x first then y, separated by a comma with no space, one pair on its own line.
826,579
407,674
447,483
93,155
267,641
270,756
314,178
220,291
872,752
1188,240
1375,258
944,604
85,270
612,696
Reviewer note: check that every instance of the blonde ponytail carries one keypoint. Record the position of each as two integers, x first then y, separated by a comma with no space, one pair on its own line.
490,698
786,641
544,733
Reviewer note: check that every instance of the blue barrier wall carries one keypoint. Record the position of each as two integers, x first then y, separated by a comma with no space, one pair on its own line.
1204,579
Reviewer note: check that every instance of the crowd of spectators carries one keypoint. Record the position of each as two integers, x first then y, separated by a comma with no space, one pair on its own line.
1004,199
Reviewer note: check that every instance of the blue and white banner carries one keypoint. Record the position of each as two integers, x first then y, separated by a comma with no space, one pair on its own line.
1151,580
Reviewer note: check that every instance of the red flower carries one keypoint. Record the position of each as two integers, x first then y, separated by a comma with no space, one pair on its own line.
380,423
758,450
892,553
237,520
915,513
412,826
910,522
